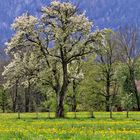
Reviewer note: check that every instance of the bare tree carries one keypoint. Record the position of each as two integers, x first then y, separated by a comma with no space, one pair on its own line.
128,41
106,62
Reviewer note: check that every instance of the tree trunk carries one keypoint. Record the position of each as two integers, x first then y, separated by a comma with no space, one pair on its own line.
107,92
27,98
74,103
36,110
14,107
107,104
61,94
137,96
36,100
16,97
111,112
18,114
132,77
92,114
3,102
75,114
49,115
127,113
60,106
19,106
3,107
37,114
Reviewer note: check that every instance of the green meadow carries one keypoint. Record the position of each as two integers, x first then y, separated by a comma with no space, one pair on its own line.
29,127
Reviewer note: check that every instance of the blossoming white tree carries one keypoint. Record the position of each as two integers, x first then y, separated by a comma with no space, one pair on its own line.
22,71
62,36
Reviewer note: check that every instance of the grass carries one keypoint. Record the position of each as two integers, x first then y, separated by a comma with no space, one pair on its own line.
81,128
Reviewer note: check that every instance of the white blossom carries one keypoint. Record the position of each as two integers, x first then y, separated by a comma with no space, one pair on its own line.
24,22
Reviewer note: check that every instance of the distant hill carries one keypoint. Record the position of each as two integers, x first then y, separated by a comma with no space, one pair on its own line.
105,13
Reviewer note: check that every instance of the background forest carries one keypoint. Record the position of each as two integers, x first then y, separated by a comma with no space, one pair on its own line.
61,62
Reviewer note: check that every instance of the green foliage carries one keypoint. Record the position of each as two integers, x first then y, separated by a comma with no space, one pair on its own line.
61,62
3,99
127,101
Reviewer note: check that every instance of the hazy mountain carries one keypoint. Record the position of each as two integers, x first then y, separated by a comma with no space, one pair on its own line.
105,13
9,9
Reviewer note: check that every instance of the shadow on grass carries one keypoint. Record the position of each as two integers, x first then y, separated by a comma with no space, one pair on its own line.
72,119
44,117
52,118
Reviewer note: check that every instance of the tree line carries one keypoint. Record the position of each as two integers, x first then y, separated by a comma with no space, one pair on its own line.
60,62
